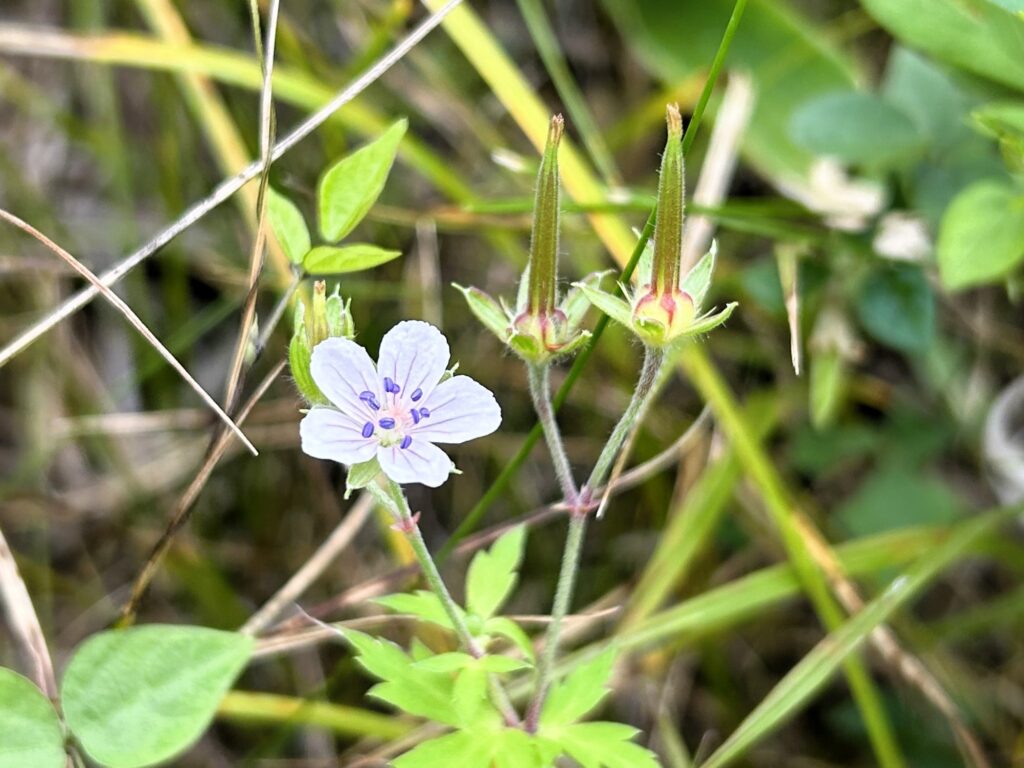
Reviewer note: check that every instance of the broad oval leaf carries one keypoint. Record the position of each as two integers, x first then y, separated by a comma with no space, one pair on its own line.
982,235
30,731
337,260
897,307
139,696
352,185
855,127
288,226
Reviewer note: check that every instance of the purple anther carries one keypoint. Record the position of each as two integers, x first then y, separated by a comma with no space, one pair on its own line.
368,429
416,394
387,423
425,413
370,399
415,416
390,386
406,441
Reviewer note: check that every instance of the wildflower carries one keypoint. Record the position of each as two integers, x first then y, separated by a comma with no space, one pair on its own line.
397,410
666,306
540,328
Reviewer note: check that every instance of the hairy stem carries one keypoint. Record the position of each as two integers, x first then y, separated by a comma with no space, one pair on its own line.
540,391
394,499
653,359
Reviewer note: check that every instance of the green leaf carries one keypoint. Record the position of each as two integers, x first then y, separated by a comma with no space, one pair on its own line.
140,696
855,127
493,574
580,691
405,684
926,94
605,745
896,305
337,260
501,665
698,279
898,497
462,748
361,475
977,36
288,226
770,39
828,379
826,659
422,603
469,694
352,185
503,627
616,308
487,311
982,235
446,662
32,735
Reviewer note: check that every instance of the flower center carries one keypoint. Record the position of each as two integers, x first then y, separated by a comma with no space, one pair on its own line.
392,421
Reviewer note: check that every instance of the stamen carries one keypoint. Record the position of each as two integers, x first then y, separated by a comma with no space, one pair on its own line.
406,441
370,399
390,386
368,429
416,394
425,413
387,423
415,416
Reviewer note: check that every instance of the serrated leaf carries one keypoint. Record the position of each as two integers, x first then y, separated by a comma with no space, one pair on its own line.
896,306
288,226
361,475
579,692
352,185
461,749
446,662
493,573
405,684
486,310
337,260
421,603
139,696
982,235
698,279
855,127
504,627
617,309
605,745
32,734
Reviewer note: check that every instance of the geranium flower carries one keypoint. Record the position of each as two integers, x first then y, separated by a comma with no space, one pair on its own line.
395,411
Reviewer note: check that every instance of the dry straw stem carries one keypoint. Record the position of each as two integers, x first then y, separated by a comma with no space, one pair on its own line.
132,318
226,188
24,623
184,505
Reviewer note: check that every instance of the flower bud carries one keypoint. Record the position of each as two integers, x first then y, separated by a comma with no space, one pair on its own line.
662,317
330,316
668,232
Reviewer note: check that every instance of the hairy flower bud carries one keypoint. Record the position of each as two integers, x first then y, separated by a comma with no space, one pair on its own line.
330,317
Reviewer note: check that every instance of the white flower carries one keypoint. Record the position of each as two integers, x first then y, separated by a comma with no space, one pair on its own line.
397,409
845,203
902,236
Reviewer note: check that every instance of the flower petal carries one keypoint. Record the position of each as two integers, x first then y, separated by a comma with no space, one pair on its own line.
343,370
460,409
421,462
330,434
414,355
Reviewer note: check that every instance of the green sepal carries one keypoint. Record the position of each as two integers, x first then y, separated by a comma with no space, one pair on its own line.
361,475
575,304
527,347
339,316
698,280
710,321
488,311
617,309
299,355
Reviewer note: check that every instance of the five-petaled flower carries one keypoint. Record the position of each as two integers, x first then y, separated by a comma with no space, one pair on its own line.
395,411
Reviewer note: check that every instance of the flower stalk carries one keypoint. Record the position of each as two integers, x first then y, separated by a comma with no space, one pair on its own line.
540,392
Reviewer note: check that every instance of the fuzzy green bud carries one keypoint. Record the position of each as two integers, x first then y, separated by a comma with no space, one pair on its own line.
330,316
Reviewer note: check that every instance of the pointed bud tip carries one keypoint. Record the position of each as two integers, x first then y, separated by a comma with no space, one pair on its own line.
674,120
555,129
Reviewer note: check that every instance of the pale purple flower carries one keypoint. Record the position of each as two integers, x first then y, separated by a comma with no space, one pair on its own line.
397,409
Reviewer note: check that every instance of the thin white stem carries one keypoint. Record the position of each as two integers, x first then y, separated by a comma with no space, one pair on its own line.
226,188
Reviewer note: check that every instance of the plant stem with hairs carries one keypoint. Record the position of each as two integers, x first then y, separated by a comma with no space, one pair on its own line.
540,392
